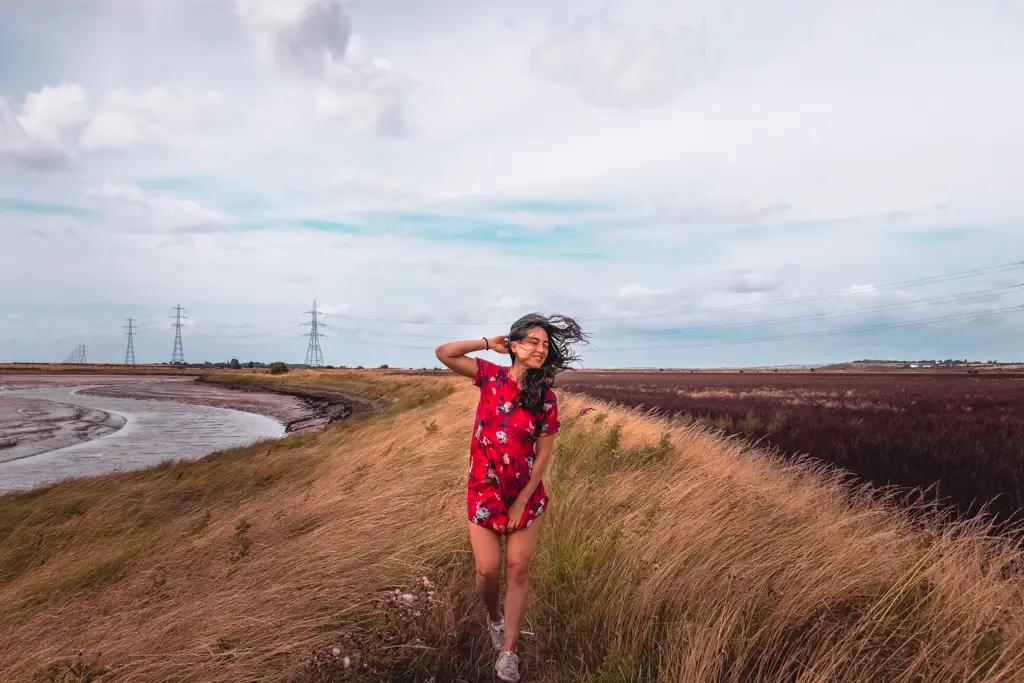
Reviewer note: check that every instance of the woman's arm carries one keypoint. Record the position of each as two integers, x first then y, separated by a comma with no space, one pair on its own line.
540,463
453,354
542,455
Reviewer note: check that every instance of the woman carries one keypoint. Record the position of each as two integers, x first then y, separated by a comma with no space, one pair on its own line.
514,431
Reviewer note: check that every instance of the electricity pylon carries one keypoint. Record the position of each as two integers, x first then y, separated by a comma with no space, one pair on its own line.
314,357
178,355
129,356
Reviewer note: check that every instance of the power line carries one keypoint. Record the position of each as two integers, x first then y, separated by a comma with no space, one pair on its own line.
78,356
830,295
917,303
825,333
917,282
313,355
178,354
131,329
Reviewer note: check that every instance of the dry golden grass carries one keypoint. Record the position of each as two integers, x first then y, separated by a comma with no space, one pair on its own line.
377,391
667,554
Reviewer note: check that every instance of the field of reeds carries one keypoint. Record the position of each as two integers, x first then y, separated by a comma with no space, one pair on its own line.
668,553
957,438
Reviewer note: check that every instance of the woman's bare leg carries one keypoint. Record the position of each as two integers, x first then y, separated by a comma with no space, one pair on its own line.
487,552
519,554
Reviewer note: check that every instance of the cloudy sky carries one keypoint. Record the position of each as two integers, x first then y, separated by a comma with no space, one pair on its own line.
699,182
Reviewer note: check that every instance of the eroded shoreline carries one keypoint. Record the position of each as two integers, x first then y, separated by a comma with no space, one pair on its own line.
32,425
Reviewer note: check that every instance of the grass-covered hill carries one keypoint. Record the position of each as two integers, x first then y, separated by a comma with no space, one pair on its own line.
668,553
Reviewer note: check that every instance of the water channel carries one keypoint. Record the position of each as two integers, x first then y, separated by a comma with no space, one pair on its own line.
49,433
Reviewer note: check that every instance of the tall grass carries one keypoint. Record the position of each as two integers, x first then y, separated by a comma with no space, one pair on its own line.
668,553
958,438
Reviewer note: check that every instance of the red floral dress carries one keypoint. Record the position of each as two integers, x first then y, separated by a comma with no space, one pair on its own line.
502,449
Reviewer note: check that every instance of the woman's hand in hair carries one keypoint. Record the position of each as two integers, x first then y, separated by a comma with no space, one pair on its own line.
453,354
498,344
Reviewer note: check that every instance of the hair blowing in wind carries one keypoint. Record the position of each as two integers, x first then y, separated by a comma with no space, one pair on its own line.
563,333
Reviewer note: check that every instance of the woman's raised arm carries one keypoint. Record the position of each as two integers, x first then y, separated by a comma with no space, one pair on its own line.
453,354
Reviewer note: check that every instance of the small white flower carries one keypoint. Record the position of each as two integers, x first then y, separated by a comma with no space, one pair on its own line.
482,513
335,651
502,437
346,661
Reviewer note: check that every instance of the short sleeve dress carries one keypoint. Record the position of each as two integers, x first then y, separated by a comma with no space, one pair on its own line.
502,449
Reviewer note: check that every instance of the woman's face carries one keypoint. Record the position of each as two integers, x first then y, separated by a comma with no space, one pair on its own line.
532,349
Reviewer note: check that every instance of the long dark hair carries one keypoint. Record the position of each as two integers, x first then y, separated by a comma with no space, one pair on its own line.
563,333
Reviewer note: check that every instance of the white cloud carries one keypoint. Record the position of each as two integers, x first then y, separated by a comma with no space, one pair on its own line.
300,34
152,115
896,216
56,120
135,211
751,282
688,207
616,65
861,289
313,38
366,96
54,111
36,137
18,147
501,300
531,220
335,308
360,187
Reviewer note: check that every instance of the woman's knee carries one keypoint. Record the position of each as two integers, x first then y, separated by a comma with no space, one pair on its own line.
488,572
518,571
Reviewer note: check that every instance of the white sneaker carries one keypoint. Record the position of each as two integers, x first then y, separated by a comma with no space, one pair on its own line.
496,629
507,666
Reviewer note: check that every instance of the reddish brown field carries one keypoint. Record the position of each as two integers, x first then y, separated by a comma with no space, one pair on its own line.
962,435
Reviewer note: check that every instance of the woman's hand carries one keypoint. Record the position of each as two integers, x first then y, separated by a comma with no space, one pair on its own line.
497,344
516,513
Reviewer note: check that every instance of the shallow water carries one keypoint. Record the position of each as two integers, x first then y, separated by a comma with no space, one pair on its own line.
152,431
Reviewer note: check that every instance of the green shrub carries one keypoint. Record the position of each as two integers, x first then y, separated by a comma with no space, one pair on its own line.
278,368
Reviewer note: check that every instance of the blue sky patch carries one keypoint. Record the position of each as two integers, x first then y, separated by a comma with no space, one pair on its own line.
45,208
309,223
938,236
551,207
331,226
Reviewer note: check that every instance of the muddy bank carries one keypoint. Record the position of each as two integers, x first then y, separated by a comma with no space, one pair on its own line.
153,431
29,426
297,413
71,424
